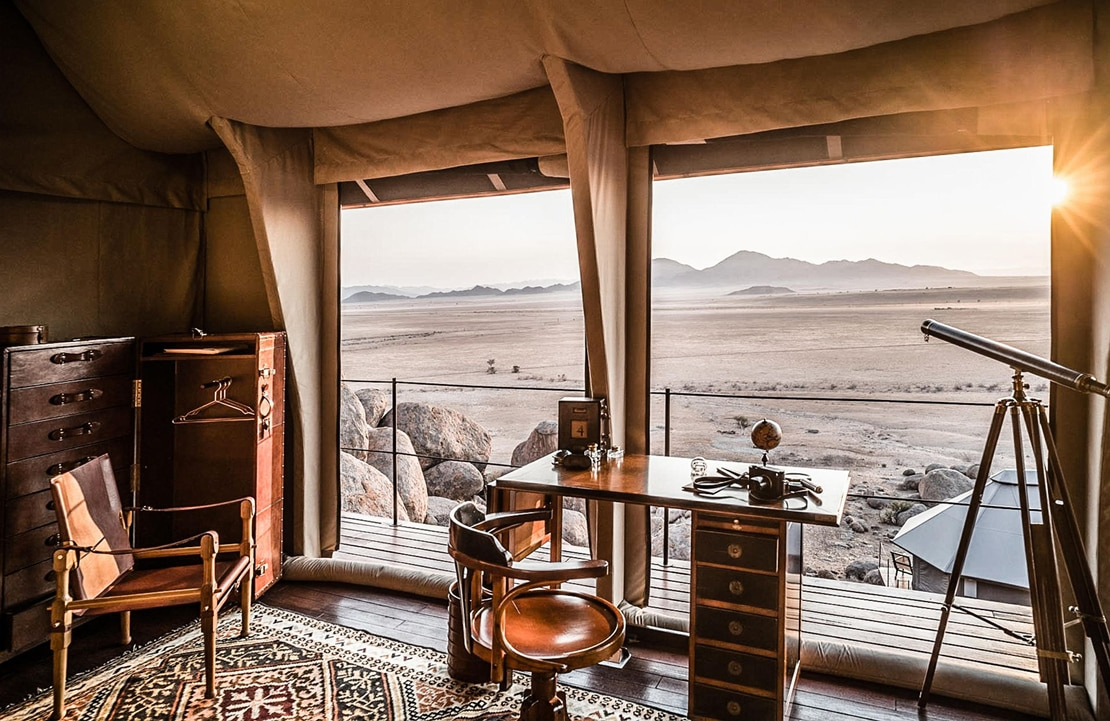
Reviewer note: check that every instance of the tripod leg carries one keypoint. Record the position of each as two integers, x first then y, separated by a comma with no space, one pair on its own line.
964,544
1040,563
1075,557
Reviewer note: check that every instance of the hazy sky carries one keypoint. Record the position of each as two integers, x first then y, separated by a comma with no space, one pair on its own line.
984,212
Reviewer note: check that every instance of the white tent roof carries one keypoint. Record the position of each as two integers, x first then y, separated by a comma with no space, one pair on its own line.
997,551
156,72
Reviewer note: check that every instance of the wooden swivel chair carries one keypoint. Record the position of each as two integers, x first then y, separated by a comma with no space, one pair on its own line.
93,529
534,626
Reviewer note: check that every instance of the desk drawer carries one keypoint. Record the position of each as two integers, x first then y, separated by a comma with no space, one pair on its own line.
59,434
741,550
743,629
34,474
27,627
715,703
742,669
30,547
32,582
740,587
35,403
70,362
27,512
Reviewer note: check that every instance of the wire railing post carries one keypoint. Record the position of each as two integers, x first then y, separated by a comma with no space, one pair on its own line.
666,452
396,421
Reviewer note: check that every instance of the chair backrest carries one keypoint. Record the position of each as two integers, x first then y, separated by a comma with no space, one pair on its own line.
90,515
471,546
903,562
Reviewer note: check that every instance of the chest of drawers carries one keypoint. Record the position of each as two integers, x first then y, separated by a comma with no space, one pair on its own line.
745,617
61,404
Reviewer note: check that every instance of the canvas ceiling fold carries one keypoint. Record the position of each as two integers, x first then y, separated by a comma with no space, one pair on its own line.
155,72
1042,53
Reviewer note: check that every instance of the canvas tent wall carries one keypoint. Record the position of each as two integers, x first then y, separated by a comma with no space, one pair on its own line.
194,148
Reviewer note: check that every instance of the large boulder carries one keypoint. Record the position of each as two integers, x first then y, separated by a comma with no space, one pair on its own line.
543,439
441,433
375,402
352,423
439,510
410,479
575,531
365,490
454,479
941,484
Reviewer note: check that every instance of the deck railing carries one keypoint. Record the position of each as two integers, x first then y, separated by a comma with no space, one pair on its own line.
667,394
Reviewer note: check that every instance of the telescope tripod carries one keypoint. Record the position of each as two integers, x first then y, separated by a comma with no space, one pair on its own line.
1057,522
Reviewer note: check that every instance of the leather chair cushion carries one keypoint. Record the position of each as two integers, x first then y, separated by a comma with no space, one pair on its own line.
551,625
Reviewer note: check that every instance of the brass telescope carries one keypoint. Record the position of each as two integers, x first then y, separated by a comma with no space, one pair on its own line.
1019,360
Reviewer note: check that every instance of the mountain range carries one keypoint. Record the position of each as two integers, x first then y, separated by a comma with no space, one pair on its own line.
739,271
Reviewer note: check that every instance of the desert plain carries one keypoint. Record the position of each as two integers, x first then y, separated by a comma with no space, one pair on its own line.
847,375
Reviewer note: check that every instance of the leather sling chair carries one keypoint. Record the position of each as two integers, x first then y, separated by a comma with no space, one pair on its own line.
534,626
93,530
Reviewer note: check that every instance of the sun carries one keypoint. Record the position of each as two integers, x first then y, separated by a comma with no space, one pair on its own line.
1057,191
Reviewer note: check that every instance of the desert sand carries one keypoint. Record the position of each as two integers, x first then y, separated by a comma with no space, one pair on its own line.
845,375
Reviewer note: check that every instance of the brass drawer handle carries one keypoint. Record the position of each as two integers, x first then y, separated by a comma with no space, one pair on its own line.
734,708
90,394
60,434
735,550
59,468
736,588
735,668
83,357
735,628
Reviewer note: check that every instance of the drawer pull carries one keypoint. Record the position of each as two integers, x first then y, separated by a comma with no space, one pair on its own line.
52,540
735,668
83,357
50,505
90,394
735,550
734,708
736,588
49,575
735,628
59,468
60,434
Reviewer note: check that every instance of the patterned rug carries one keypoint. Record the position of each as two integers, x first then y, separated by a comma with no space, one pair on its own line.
295,667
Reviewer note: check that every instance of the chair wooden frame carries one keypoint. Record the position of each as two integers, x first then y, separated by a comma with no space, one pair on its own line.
903,566
489,592
168,586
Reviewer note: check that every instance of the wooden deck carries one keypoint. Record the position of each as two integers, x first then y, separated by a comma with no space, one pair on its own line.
890,628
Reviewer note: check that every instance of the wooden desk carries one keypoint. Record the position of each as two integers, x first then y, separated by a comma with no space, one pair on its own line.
746,571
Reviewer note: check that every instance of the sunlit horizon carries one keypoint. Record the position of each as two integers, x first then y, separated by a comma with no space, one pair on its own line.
987,212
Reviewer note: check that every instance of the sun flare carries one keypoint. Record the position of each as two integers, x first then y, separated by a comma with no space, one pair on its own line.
1058,191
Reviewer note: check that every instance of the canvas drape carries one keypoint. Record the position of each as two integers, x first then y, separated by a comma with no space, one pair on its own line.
592,106
287,216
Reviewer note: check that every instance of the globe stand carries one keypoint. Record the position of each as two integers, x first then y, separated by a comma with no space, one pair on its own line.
1057,524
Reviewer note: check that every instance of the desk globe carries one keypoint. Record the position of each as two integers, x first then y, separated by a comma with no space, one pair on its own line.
766,435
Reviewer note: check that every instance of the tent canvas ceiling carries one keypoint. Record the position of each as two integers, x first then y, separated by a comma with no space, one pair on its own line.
156,72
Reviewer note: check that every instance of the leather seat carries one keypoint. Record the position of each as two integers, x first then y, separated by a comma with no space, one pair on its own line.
534,625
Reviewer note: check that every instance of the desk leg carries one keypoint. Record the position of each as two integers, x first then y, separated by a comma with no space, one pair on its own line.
556,528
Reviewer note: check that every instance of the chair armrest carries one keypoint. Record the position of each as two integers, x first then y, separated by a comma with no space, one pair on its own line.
218,504
558,571
497,522
174,549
